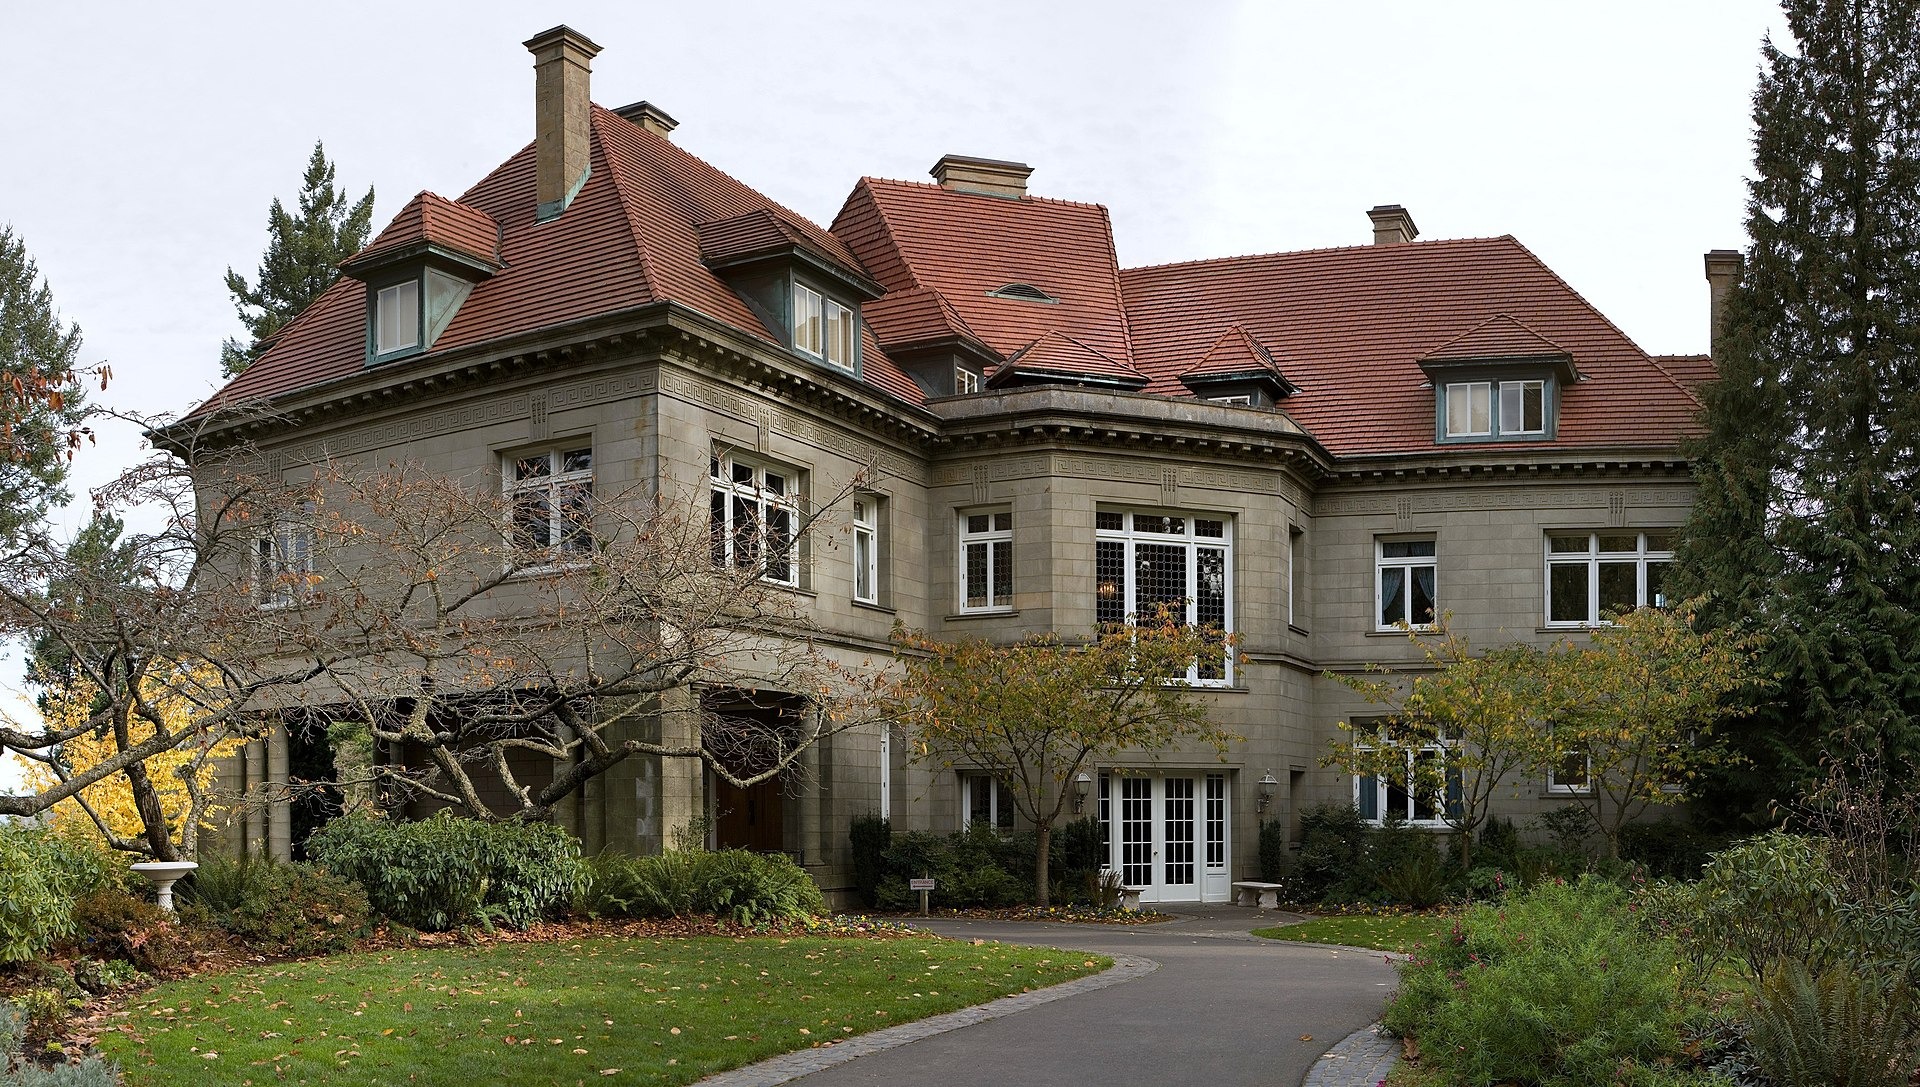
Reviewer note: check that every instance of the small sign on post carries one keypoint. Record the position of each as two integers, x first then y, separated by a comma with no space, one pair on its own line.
923,886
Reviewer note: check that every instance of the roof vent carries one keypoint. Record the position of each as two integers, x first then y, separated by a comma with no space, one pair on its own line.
650,117
1392,225
984,177
1022,292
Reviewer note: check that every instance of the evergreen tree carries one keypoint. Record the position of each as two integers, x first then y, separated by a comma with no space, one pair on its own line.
40,396
303,255
97,556
1805,528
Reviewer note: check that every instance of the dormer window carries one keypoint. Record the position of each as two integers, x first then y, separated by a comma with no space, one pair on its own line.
1022,292
397,318
1471,410
824,329
965,381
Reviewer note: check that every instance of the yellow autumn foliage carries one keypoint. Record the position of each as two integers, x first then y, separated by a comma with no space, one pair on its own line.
112,796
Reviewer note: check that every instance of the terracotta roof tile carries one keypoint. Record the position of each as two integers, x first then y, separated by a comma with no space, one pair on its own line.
429,217
917,316
1058,356
965,245
1354,323
1497,337
1235,352
1691,371
629,238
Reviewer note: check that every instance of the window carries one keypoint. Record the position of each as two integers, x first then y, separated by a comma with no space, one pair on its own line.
1594,575
551,495
1403,583
866,549
824,328
965,381
1296,548
1381,799
986,561
396,318
1472,410
986,801
283,561
1244,400
1572,775
753,517
1143,561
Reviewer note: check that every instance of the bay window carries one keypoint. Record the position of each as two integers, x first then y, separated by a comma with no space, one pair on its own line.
1146,561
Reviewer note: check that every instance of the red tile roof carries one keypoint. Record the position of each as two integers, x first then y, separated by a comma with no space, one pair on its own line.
629,238
1497,337
429,217
1235,352
1057,356
1354,323
917,315
965,245
1691,371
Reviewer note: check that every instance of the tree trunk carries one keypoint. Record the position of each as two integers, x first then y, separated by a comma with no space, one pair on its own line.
1465,835
152,816
1043,838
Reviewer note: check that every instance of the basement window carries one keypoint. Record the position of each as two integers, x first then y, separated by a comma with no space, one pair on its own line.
1022,292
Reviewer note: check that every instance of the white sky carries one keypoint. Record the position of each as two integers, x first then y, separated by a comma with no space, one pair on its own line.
141,143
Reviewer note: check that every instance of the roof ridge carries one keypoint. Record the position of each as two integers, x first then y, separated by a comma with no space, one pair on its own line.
886,229
1119,290
1431,243
1491,319
1029,198
627,210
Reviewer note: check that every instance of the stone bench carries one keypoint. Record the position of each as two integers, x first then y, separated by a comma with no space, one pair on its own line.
1252,893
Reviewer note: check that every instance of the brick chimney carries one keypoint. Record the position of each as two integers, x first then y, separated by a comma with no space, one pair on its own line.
562,115
985,177
1723,269
650,117
1392,225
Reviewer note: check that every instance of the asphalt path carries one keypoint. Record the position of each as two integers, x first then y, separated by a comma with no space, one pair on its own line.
1223,1008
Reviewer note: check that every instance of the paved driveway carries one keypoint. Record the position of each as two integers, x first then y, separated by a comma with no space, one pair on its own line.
1224,1008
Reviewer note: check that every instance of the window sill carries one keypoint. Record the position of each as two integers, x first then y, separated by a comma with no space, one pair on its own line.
868,605
1551,793
1398,632
548,569
984,613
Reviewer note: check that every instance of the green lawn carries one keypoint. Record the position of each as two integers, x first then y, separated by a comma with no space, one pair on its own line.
1382,932
586,1011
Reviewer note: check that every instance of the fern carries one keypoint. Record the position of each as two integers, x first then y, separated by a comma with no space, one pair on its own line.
1838,1027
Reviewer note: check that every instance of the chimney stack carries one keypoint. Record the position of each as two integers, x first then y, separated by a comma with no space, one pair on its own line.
1723,269
1392,225
562,115
985,177
650,117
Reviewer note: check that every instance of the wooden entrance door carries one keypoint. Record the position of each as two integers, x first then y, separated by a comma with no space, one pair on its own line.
749,818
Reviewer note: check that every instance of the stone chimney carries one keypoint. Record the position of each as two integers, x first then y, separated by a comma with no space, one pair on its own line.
1723,269
1392,225
650,117
562,115
986,177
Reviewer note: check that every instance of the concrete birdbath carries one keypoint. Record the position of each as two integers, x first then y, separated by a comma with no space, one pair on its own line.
163,875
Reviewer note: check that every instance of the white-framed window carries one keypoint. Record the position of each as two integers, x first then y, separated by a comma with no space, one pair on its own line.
396,318
283,573
866,549
1523,407
986,560
986,801
1594,575
1404,589
1571,774
824,328
1244,400
551,496
753,516
1144,561
1382,798
965,381
1503,409
1469,409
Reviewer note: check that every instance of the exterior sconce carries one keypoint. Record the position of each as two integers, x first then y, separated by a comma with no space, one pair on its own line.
1269,786
1081,785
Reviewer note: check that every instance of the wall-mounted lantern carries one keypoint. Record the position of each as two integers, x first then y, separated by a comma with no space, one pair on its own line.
1269,788
1081,785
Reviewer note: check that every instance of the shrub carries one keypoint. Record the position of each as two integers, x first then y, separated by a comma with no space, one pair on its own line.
1837,1027
295,908
41,874
442,872
1499,844
1668,848
91,1072
1414,877
744,887
1333,851
1556,985
1275,864
1770,897
114,924
870,835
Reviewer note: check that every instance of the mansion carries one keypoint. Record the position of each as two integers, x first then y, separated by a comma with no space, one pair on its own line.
1309,449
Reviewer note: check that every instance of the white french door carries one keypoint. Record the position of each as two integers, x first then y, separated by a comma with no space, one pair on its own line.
1168,834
